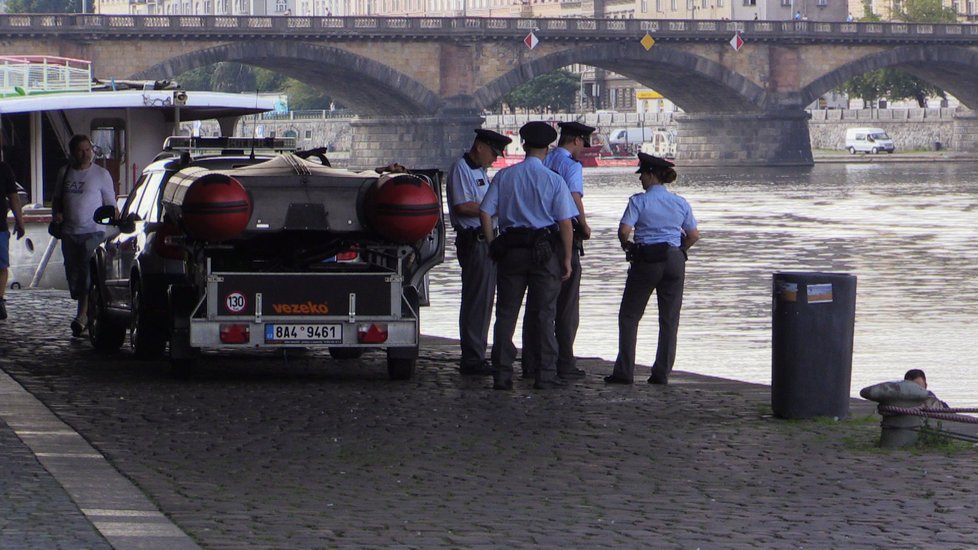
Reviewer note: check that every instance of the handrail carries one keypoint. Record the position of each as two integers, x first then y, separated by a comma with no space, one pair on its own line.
210,26
22,75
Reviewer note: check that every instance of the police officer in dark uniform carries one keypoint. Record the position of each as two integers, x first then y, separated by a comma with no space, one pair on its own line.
564,159
534,211
467,185
664,229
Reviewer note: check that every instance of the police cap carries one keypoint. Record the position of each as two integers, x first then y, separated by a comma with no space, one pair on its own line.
649,163
577,129
537,134
496,141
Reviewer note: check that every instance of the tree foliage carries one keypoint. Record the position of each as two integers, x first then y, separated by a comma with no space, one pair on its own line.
551,92
235,77
46,6
894,84
925,11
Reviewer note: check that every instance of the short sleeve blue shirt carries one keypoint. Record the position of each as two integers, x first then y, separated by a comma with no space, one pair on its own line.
466,183
560,160
528,195
658,216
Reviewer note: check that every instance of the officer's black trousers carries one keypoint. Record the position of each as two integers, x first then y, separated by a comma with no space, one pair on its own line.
478,289
666,279
517,275
566,319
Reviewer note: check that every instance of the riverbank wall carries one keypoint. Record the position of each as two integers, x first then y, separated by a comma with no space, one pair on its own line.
911,129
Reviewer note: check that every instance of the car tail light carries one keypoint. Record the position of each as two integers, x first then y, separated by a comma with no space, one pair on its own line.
237,333
347,256
167,242
374,333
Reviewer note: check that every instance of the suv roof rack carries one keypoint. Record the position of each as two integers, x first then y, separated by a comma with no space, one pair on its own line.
217,145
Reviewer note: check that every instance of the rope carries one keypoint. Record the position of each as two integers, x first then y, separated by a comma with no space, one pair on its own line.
939,414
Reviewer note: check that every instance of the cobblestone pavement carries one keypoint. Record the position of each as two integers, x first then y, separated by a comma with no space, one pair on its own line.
261,451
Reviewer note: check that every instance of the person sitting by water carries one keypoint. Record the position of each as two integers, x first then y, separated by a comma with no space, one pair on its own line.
918,377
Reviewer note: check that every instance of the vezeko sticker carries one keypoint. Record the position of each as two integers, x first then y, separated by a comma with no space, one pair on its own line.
235,302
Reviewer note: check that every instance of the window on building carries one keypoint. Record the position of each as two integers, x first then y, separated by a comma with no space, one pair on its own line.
785,3
675,5
750,2
281,6
822,3
645,6
719,3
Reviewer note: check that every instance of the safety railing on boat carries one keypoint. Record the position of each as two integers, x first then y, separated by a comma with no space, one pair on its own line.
23,75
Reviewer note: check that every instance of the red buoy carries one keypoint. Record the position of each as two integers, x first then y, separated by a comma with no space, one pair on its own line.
402,208
216,208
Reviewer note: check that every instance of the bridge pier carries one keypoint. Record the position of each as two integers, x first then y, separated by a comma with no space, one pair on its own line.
770,138
964,133
415,141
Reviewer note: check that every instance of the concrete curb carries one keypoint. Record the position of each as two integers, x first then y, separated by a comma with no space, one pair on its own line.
116,507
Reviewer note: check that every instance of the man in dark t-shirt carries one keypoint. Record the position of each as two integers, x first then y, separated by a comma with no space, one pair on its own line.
9,201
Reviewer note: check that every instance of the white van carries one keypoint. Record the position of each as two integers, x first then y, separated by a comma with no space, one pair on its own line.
662,144
630,136
868,140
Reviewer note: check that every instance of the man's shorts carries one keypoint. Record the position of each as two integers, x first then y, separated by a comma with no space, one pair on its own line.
77,251
4,249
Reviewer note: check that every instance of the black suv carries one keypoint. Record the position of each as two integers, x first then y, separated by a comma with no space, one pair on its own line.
132,271
330,259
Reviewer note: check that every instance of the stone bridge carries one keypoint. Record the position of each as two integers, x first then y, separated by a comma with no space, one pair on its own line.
420,84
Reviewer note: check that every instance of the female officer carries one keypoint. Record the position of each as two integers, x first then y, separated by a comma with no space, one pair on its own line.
664,230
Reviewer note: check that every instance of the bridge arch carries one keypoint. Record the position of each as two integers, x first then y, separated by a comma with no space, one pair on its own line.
692,82
365,86
953,69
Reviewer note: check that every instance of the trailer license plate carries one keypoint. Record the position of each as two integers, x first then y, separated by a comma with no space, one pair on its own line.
295,333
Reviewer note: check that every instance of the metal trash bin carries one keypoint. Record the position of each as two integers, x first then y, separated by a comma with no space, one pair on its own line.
813,321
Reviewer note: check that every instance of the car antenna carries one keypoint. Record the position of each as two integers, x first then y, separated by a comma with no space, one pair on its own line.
254,129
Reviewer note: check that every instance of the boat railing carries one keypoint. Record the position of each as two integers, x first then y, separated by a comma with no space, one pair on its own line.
23,75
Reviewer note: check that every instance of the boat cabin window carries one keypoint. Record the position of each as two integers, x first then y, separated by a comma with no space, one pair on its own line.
109,142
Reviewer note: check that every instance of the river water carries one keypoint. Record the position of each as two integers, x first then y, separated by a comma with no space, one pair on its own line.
907,231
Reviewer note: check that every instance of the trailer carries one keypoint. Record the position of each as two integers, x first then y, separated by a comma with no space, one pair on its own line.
284,253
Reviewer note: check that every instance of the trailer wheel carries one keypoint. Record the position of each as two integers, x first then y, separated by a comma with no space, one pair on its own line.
346,353
105,333
146,338
182,368
183,357
399,368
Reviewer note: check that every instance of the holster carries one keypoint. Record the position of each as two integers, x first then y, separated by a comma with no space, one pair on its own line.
539,241
649,253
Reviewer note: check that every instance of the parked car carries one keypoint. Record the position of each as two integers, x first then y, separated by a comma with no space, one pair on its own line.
132,271
868,140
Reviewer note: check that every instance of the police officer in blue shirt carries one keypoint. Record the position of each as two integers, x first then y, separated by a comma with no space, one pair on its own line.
564,159
664,229
533,207
467,185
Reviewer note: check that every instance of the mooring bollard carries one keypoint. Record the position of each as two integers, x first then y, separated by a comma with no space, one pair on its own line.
899,430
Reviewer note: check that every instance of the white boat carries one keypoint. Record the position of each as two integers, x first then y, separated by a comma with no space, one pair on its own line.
44,100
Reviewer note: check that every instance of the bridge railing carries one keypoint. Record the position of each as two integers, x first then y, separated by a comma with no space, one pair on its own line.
206,26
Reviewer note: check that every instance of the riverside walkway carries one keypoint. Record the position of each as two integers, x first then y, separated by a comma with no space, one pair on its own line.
261,451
